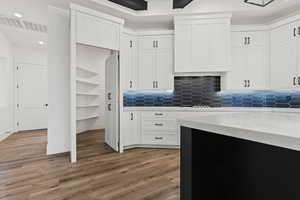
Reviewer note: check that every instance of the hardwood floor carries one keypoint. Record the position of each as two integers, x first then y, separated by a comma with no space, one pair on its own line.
26,173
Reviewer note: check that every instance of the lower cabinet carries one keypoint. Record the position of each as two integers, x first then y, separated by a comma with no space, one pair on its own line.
147,128
130,128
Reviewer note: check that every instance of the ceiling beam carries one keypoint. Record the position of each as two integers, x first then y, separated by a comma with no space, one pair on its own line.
181,3
132,4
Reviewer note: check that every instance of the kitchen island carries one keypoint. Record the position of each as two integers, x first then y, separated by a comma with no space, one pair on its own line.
240,156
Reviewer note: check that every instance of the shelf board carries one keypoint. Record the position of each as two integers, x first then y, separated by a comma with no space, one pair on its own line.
88,106
87,118
88,70
86,94
86,81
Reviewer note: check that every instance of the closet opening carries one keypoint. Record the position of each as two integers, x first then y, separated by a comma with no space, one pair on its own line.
97,100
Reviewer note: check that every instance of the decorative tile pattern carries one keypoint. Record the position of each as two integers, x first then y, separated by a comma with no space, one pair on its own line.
191,91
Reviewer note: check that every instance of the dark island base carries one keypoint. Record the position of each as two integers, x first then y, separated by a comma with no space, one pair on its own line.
217,167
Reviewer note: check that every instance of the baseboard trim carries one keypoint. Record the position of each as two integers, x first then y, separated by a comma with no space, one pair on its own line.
5,134
152,146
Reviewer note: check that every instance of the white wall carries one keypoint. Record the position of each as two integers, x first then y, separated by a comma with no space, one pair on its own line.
59,81
6,110
30,55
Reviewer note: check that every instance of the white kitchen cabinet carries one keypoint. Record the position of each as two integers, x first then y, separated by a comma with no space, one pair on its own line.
129,65
159,128
156,62
130,128
285,57
202,45
249,68
98,32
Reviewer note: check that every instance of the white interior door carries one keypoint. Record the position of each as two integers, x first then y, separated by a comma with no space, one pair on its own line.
32,97
112,135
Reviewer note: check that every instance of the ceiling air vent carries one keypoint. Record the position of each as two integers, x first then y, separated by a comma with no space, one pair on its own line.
22,24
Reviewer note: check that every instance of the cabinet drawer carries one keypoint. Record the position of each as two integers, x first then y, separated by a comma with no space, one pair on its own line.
160,139
157,125
159,115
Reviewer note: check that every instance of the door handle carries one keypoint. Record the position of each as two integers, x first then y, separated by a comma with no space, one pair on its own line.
249,83
159,138
298,30
131,44
153,84
109,96
46,105
131,116
245,42
156,84
298,80
154,44
295,32
109,107
130,84
294,82
245,83
249,40
157,124
158,114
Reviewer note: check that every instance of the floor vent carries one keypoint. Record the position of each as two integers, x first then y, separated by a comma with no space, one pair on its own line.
22,24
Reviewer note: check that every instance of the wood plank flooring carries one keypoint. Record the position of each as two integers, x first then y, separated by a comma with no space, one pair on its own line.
26,173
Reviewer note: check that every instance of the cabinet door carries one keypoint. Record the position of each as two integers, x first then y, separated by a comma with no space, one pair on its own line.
129,62
236,76
97,32
164,72
164,63
219,47
130,129
283,57
147,69
147,42
255,69
182,47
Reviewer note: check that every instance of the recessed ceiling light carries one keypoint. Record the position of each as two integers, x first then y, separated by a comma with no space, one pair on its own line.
41,42
18,15
261,3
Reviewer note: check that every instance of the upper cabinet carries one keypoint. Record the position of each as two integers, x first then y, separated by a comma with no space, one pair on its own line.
98,31
155,62
249,61
285,56
202,43
129,65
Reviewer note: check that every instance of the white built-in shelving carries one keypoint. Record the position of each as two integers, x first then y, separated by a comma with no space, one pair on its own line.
85,81
87,70
87,117
87,106
87,94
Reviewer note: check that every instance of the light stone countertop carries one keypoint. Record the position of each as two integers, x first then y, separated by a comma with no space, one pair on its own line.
274,128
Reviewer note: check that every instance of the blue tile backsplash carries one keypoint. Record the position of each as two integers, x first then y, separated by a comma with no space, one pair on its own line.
205,91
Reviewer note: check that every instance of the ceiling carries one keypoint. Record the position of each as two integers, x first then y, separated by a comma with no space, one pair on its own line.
159,14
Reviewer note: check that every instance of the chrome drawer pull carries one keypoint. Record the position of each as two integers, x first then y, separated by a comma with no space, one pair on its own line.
158,114
159,124
159,138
